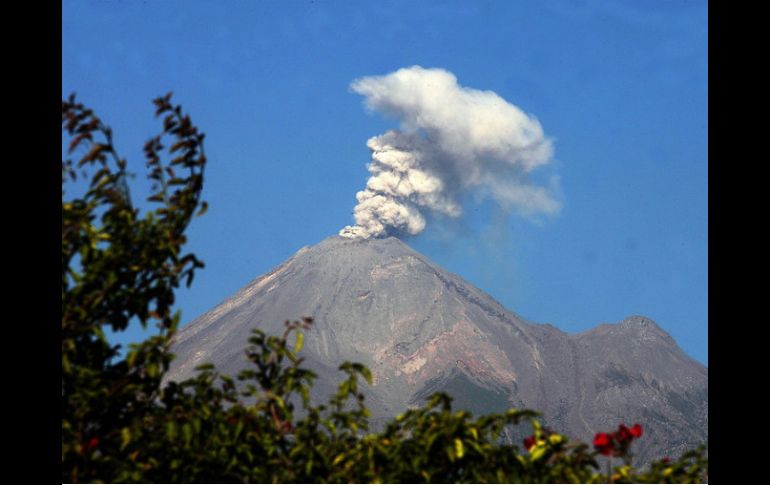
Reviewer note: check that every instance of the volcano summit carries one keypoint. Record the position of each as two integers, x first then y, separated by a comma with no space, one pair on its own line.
421,329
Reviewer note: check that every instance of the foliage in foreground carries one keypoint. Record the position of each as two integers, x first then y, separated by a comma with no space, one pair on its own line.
120,424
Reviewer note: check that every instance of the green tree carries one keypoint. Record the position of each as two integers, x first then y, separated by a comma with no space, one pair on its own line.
121,268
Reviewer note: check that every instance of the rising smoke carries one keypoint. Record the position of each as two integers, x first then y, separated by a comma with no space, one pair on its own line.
452,141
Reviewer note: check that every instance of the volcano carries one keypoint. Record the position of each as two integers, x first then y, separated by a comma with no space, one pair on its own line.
421,329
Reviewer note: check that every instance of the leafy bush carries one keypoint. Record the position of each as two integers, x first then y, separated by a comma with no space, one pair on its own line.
121,425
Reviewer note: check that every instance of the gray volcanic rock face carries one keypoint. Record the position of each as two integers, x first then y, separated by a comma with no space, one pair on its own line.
421,329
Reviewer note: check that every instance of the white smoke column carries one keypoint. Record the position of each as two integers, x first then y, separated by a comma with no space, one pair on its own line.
453,140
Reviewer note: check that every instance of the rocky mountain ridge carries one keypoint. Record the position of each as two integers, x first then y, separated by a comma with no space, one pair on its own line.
421,329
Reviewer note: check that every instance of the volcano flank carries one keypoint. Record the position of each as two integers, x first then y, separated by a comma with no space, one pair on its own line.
421,329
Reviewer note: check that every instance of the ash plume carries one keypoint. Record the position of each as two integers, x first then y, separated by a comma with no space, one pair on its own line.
452,141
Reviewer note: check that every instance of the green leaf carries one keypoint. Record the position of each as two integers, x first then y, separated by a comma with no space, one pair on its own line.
300,341
459,449
171,430
125,437
203,209
367,374
338,459
537,453
187,433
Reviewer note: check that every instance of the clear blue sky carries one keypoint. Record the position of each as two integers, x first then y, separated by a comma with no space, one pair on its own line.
619,86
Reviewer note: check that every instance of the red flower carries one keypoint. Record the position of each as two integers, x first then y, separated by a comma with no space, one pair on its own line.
602,439
529,442
603,443
636,430
92,443
232,420
624,434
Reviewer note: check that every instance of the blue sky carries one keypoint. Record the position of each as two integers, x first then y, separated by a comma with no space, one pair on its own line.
620,88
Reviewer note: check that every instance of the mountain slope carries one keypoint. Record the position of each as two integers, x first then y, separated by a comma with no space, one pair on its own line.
421,329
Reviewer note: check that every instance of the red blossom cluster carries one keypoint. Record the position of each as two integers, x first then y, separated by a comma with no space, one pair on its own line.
617,443
529,442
